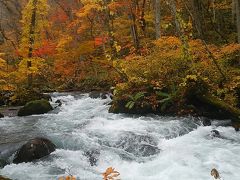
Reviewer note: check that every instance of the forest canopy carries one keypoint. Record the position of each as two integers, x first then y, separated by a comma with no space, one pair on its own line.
152,47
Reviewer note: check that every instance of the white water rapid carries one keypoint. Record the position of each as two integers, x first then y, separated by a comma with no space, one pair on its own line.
89,140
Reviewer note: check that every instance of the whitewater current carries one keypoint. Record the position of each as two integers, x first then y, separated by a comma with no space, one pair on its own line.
89,140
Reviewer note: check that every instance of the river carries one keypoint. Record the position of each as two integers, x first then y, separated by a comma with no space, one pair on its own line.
89,140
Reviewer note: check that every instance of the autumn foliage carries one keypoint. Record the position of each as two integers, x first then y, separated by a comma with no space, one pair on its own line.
111,174
95,45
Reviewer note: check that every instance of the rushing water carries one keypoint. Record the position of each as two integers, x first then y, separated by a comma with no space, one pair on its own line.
89,140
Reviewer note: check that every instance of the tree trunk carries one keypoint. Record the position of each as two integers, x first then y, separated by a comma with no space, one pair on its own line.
157,19
109,27
31,41
134,31
197,18
174,13
233,11
142,20
237,5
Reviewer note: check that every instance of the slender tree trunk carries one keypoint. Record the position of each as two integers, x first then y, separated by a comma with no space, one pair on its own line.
157,19
31,41
142,20
197,18
233,11
109,26
174,13
238,18
237,5
134,31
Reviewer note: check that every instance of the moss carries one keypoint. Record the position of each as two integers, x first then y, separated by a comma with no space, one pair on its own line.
35,107
223,108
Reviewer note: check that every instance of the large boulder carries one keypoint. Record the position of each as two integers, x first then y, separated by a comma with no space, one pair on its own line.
35,107
1,115
34,149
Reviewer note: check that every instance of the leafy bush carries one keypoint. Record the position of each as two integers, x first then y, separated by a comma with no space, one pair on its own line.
163,73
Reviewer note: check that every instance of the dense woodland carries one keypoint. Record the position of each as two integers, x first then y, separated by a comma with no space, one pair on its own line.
158,56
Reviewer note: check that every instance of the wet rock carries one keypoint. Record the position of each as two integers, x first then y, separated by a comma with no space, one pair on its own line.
236,125
4,178
46,97
2,164
206,122
35,107
1,115
215,133
104,95
93,156
59,102
97,94
34,149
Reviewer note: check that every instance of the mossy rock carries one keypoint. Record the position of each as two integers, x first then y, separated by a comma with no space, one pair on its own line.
1,115
119,106
35,107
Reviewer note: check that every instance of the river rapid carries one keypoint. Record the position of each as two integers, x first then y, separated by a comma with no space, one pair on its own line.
89,140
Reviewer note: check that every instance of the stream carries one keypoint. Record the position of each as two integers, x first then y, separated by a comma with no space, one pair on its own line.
89,140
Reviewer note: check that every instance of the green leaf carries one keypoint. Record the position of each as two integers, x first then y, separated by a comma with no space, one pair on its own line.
130,104
165,100
162,94
138,96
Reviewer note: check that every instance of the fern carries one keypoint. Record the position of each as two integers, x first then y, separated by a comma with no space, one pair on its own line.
134,99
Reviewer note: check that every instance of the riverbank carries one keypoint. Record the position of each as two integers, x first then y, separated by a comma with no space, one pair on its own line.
10,111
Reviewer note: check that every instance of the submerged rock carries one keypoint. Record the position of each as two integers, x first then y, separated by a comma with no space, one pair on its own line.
215,133
97,94
34,149
138,145
206,122
35,107
92,156
59,102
